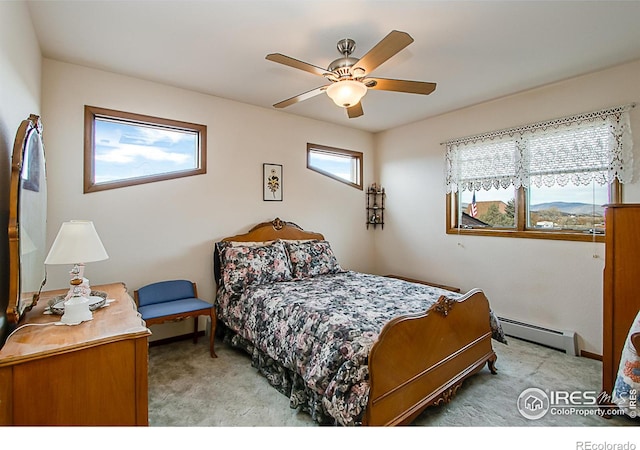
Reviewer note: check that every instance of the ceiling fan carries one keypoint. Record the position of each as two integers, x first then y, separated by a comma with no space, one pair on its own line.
349,77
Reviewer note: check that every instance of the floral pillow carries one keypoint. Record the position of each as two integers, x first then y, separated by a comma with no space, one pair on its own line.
221,246
246,265
312,258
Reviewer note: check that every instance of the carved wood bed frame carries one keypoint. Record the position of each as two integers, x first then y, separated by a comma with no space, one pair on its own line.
418,360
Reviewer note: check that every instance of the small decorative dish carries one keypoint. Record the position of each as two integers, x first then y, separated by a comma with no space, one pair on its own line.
97,299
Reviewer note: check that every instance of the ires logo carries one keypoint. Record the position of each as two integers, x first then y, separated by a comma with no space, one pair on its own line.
534,403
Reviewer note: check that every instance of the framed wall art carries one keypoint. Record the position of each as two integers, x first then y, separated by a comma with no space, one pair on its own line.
272,182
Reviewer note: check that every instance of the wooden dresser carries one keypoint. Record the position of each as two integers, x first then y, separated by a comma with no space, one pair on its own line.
621,290
94,373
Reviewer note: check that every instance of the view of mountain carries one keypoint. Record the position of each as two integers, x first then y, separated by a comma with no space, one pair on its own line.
570,208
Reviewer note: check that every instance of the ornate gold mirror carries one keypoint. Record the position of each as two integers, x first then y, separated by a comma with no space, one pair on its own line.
27,219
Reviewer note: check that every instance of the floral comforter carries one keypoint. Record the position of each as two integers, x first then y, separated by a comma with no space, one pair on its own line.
311,337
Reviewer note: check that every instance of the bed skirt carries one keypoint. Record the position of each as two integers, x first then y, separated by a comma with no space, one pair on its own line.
284,380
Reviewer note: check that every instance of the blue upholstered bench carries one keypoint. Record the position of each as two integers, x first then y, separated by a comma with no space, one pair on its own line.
173,300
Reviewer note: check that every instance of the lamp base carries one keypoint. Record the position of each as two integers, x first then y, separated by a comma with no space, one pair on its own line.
76,310
79,286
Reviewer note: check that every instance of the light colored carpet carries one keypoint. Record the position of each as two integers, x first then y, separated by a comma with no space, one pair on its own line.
188,388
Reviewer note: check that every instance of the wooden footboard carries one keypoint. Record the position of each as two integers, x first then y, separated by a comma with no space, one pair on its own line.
422,359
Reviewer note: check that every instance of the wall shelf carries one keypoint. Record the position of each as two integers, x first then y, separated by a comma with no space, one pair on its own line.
375,206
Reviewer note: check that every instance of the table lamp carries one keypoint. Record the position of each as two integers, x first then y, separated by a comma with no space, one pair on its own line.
77,243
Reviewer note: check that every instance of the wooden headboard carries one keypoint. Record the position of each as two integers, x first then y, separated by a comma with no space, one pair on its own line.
263,232
274,230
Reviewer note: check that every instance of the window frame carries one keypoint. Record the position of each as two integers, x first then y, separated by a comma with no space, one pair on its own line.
521,230
93,112
357,156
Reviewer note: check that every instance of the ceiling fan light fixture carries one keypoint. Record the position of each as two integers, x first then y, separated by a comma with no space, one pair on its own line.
347,76
346,93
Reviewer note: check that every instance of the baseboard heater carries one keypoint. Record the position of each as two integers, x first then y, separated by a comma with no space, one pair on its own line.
560,340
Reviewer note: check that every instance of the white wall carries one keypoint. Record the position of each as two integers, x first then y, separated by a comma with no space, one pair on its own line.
556,284
19,97
166,230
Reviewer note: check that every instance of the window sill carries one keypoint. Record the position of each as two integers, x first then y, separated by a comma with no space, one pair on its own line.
529,234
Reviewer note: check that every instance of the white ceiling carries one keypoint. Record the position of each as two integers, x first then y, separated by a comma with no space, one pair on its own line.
474,50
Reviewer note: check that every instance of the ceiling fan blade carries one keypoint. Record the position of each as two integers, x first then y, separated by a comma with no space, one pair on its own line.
411,87
391,44
292,62
301,97
355,111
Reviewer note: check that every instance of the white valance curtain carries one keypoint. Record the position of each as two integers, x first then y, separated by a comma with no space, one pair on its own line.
595,146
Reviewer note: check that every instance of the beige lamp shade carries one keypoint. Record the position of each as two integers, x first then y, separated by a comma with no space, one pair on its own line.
77,242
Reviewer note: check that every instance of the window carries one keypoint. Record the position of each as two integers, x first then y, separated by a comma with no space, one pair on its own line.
341,165
125,149
568,208
545,180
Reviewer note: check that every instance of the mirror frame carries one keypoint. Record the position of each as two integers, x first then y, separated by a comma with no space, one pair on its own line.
18,305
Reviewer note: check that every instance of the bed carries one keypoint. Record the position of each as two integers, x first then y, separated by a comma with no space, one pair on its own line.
347,347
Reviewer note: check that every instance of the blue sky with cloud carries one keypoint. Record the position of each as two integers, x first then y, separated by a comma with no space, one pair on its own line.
125,151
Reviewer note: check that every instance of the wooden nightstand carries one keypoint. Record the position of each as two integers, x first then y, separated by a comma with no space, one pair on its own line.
94,373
